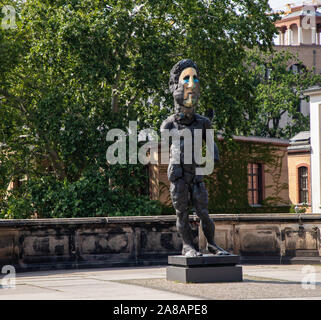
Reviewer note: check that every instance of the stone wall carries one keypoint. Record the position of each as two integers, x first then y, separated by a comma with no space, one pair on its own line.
40,244
310,55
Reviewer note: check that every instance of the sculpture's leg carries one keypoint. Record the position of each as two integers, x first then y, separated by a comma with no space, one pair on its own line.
179,194
200,200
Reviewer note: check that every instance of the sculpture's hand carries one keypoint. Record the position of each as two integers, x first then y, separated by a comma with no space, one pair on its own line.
174,172
198,179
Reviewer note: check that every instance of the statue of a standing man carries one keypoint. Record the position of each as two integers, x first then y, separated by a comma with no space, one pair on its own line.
186,187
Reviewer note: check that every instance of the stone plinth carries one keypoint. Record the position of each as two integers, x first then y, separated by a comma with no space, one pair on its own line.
206,268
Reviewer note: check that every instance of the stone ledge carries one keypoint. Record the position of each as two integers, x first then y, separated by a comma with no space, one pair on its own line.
157,219
265,260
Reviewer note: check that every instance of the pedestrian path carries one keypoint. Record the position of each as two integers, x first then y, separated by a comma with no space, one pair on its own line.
149,283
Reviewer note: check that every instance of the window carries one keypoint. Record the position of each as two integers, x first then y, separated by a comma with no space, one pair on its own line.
303,185
266,73
297,68
254,172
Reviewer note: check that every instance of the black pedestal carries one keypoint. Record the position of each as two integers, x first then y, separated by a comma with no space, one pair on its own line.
207,268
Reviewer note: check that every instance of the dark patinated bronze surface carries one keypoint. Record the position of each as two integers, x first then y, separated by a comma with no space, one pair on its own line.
187,189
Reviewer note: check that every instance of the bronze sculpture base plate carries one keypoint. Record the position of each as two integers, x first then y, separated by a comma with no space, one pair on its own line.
206,268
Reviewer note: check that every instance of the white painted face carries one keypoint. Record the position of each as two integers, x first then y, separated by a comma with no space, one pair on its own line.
190,81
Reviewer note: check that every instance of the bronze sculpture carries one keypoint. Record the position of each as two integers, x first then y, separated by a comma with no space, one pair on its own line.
186,187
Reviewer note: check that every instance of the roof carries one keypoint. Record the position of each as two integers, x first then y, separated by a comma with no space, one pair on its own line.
301,136
299,13
296,13
300,142
310,91
256,139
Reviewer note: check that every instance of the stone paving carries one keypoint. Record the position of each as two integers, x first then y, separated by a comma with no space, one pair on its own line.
140,283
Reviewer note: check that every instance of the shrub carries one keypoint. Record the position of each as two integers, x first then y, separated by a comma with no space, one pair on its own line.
90,196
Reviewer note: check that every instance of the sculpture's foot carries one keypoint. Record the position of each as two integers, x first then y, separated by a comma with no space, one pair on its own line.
216,250
189,251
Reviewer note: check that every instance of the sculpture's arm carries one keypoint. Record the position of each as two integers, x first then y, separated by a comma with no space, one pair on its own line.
167,124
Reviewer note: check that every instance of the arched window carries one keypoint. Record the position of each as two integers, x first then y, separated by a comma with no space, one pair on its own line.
303,185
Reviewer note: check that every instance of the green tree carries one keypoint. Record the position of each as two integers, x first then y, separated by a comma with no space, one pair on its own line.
279,79
73,69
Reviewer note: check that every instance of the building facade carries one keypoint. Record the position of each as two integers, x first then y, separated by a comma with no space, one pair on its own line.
301,25
299,166
253,177
300,34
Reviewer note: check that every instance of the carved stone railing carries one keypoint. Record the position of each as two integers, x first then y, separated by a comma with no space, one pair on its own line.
40,244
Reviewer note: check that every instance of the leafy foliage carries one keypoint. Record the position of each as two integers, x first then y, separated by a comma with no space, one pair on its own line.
90,196
73,69
228,186
278,92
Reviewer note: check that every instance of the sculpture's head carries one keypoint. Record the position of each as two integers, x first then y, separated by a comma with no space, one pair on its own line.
185,87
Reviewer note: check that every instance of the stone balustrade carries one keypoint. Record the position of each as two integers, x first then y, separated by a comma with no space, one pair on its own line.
43,244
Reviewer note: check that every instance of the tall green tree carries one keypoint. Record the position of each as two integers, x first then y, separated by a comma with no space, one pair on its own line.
73,69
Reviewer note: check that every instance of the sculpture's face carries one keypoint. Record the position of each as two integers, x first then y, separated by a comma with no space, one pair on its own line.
188,79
